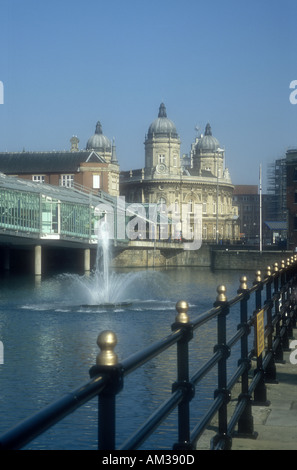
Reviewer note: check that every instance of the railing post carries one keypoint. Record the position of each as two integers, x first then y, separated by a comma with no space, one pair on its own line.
286,316
222,370
292,321
260,392
270,372
283,282
258,280
246,420
182,321
279,356
107,363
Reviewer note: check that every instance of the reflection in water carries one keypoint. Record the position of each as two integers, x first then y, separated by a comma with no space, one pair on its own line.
50,344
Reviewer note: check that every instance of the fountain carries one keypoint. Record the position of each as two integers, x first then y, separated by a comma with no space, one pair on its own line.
107,288
104,288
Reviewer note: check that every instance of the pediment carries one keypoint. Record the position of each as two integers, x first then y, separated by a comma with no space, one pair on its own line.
94,157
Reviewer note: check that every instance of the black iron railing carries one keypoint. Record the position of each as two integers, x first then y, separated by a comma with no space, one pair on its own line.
270,319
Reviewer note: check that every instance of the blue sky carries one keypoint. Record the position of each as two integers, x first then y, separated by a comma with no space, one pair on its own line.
67,64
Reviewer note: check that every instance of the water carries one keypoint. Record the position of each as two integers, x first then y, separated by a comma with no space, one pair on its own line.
50,344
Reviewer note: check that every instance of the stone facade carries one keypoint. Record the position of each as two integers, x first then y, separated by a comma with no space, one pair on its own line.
166,179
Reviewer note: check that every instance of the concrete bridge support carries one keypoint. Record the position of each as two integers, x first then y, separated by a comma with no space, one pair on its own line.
37,260
87,259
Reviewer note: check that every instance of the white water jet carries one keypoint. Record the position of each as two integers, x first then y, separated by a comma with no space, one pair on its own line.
106,288
103,261
103,288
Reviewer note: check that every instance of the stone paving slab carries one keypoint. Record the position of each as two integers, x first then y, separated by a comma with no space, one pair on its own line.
276,424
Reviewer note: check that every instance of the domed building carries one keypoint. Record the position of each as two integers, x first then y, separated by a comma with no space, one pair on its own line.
166,179
162,125
162,147
207,155
92,168
102,145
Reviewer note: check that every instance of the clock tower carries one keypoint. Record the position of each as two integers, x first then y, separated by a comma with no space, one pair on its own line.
162,147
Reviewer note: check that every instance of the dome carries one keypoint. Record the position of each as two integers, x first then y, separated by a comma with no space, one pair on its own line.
98,141
162,125
208,141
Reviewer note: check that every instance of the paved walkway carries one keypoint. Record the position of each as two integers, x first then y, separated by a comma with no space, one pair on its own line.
275,424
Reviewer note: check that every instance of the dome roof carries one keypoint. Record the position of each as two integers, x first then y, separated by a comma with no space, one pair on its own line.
208,141
162,125
98,141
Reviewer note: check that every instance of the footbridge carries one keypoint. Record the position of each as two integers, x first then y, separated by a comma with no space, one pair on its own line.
45,227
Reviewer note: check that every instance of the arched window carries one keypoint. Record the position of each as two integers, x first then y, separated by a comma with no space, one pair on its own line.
176,207
191,206
204,233
162,204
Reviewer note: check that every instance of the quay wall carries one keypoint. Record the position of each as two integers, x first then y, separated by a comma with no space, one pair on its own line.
247,259
206,256
133,257
44,259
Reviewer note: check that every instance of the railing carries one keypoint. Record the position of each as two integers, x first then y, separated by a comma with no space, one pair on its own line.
272,321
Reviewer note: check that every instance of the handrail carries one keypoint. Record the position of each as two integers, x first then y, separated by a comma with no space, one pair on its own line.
138,359
107,376
35,425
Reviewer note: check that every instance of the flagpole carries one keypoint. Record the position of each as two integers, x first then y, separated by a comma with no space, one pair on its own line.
260,187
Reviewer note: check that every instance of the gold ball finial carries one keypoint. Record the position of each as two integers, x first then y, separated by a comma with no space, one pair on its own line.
182,308
243,283
107,341
258,277
282,264
275,267
221,297
268,272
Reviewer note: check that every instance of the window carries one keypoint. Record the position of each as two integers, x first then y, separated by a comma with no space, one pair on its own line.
161,158
204,232
162,203
67,180
176,207
96,181
38,178
162,200
204,207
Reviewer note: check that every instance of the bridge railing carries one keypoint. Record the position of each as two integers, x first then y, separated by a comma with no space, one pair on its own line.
271,320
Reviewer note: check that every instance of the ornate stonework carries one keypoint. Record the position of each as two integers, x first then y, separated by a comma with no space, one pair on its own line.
166,179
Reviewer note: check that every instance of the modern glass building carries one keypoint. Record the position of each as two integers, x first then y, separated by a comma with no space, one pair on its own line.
49,212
